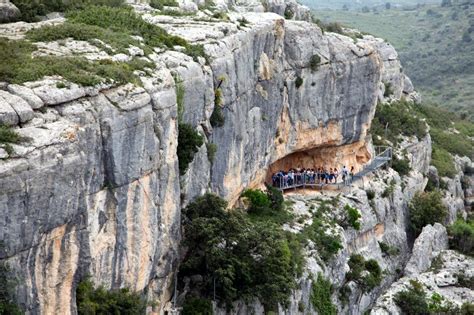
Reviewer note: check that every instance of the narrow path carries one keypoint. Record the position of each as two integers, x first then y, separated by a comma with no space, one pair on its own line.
383,157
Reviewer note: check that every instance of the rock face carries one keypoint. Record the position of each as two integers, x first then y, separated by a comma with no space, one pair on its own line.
428,245
449,279
8,11
96,190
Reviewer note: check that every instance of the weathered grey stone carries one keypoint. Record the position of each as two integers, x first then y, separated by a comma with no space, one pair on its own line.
27,94
432,240
442,281
3,153
128,97
8,12
21,107
8,115
48,91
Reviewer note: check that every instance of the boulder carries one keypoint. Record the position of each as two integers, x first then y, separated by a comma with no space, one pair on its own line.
8,12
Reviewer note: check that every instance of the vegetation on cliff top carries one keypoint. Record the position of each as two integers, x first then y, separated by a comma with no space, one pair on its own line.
110,28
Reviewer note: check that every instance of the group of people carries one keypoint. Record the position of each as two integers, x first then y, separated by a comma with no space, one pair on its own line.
321,176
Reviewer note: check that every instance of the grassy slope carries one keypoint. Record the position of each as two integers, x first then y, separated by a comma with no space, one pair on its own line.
431,48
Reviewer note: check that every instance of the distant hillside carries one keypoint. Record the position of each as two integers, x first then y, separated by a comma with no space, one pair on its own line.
351,4
435,44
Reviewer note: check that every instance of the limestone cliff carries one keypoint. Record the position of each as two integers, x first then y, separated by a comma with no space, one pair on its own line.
96,190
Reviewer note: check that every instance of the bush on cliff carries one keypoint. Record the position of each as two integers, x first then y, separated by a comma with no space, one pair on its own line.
401,165
327,244
101,301
7,137
400,118
366,273
7,287
426,208
244,258
461,236
189,141
320,297
196,306
352,217
413,300
266,206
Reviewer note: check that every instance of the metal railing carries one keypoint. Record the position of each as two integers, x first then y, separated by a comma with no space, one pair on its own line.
383,155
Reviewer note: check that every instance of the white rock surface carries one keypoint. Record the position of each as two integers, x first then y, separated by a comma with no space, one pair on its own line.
432,240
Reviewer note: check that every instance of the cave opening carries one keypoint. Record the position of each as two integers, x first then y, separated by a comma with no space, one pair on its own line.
351,155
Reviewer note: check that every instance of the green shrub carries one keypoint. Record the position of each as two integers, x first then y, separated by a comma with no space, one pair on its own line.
401,119
31,10
211,151
388,191
301,307
180,98
413,300
388,89
358,265
327,244
320,298
276,198
465,281
159,4
370,194
259,201
197,306
334,27
7,137
461,236
426,208
101,301
217,118
454,143
289,14
402,166
7,287
431,185
344,294
388,250
298,82
266,206
314,62
244,259
353,217
189,141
